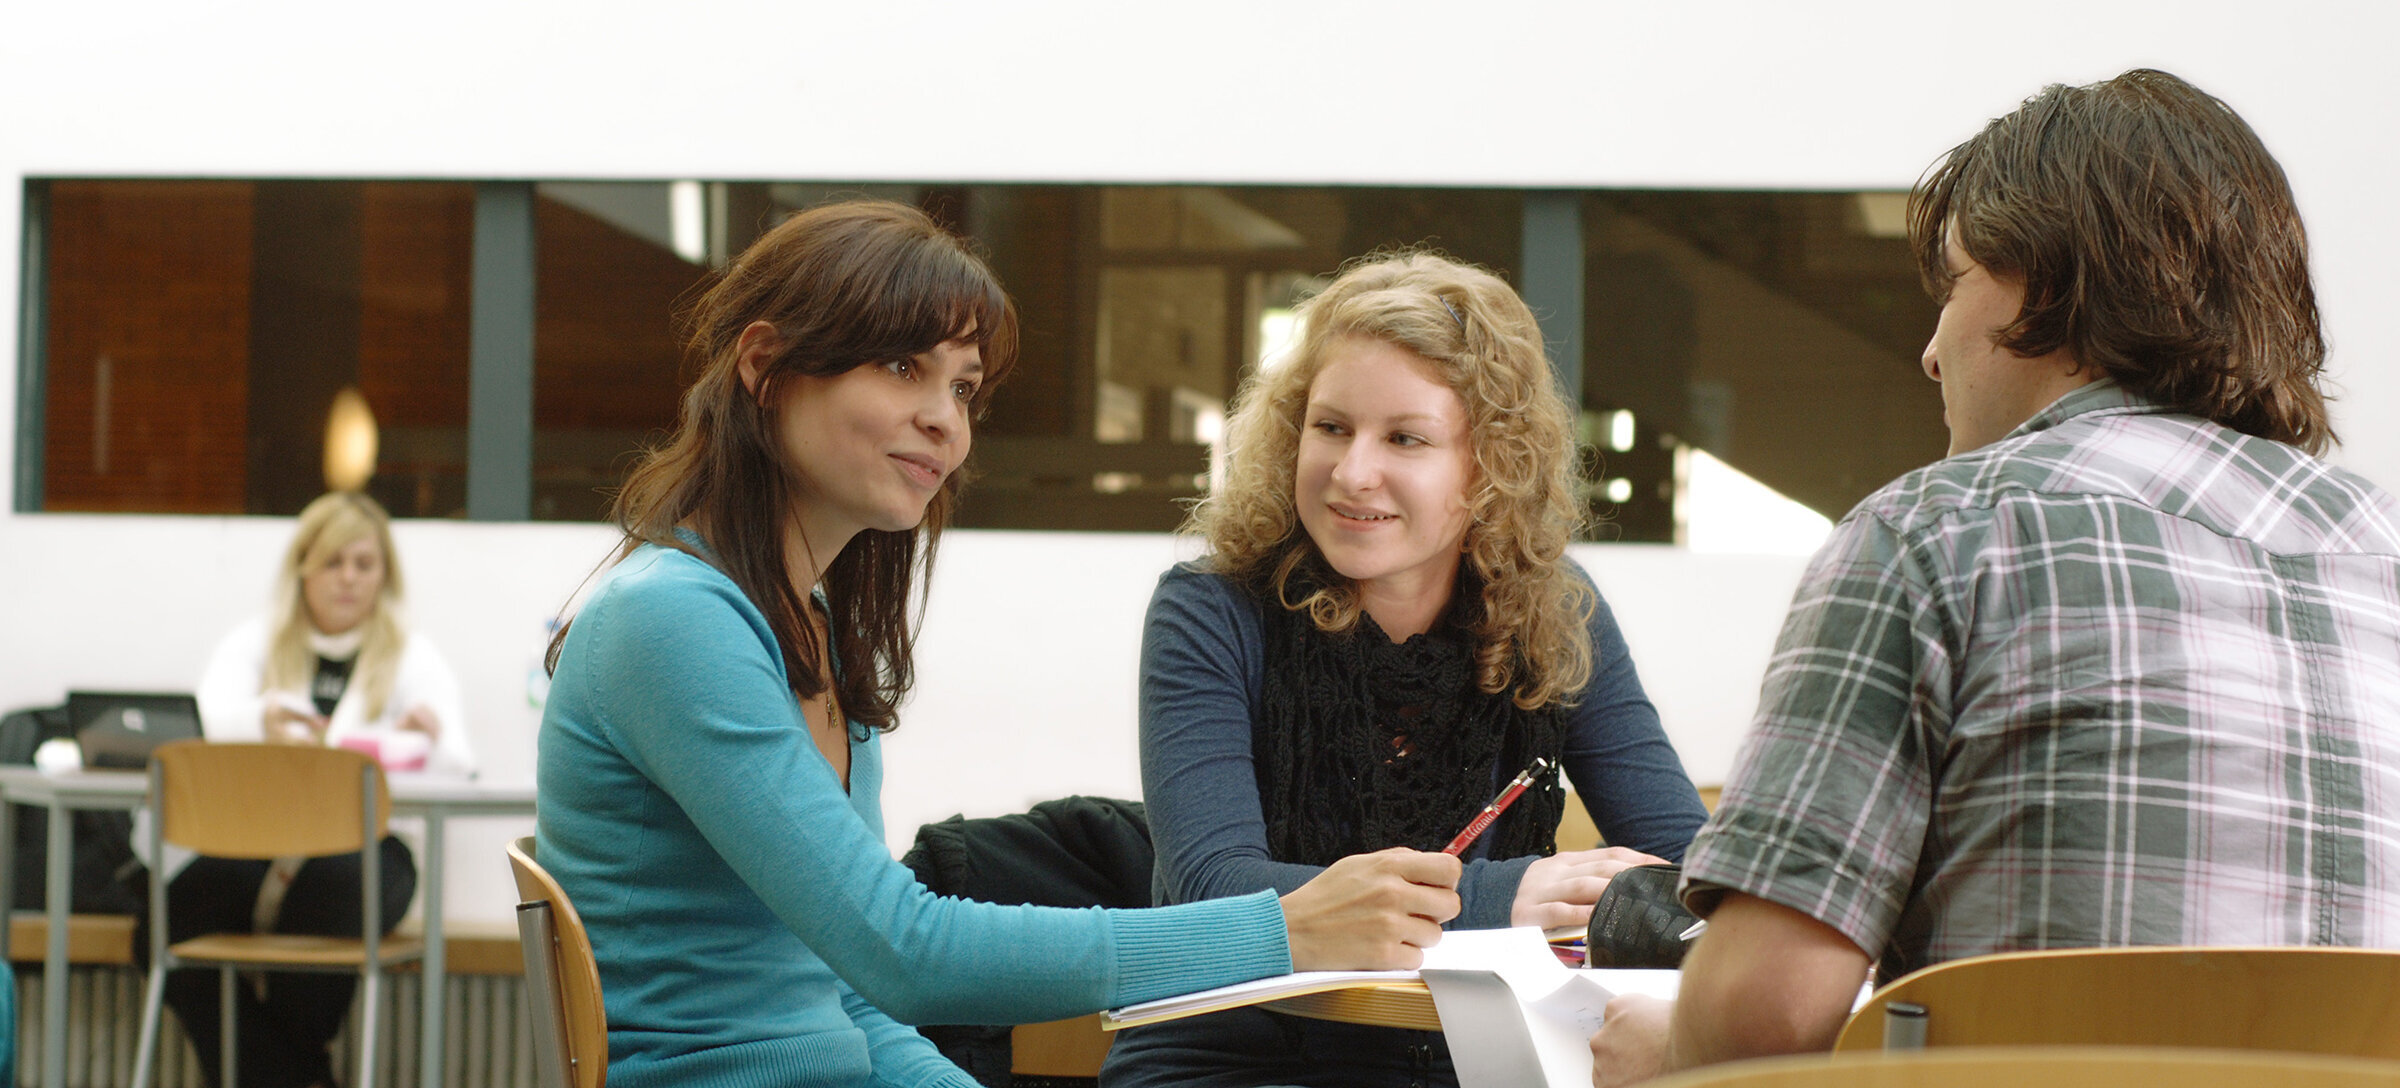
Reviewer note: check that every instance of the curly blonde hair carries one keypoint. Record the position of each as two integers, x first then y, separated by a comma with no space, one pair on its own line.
1532,634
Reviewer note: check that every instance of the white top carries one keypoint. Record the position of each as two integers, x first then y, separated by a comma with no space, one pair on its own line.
232,707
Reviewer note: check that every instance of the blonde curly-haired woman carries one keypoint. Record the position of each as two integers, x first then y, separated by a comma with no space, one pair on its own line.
1386,629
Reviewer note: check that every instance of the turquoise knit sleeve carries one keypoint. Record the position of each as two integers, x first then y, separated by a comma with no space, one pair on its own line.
902,1058
721,735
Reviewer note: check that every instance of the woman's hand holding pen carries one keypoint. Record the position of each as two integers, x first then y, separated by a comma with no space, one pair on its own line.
1559,890
1374,911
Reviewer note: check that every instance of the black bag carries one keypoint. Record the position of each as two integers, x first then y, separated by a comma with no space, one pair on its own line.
1639,921
1071,852
103,840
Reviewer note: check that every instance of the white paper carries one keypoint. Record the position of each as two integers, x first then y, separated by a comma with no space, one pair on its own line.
1514,1015
1244,992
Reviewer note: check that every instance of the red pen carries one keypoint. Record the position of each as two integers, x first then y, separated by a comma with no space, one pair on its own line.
1508,796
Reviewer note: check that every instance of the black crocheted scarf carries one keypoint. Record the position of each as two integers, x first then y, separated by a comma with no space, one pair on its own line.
1363,743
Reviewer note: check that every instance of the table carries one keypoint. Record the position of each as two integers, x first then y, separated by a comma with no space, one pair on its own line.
433,799
1385,1004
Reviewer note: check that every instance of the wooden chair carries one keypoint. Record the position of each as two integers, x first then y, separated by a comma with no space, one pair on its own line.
2342,1001
265,801
2048,1067
1060,1048
562,979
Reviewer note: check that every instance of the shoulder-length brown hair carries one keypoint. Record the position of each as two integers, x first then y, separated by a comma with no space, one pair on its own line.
334,521
2156,239
845,285
1531,634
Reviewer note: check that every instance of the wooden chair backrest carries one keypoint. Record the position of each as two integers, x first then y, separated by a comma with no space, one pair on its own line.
1578,831
2318,1000
573,965
2045,1067
266,800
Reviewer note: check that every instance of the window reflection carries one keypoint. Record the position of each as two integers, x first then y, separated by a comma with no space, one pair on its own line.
197,332
1144,307
606,363
1776,332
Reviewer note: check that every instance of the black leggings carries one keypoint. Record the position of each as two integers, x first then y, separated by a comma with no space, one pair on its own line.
285,1040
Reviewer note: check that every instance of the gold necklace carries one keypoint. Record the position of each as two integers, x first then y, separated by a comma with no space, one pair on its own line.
825,699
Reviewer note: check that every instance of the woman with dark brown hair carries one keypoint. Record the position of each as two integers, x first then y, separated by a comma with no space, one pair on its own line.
710,770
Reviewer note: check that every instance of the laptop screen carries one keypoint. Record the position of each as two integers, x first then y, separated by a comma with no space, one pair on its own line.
119,729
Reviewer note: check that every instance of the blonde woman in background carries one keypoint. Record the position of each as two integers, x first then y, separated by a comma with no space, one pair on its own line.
332,664
1386,628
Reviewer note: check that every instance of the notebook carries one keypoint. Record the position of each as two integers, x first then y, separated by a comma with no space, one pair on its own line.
118,730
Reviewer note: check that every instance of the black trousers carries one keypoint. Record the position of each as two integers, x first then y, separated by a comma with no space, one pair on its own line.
285,1039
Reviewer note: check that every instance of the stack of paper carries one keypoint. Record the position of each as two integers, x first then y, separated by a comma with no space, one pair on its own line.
1515,1016
1247,993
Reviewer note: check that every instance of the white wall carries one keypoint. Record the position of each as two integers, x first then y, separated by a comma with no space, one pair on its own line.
1027,691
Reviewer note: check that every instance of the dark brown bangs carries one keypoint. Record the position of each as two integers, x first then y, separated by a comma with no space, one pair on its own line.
900,296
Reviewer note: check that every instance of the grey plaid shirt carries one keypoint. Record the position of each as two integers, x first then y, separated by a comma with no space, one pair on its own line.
2122,677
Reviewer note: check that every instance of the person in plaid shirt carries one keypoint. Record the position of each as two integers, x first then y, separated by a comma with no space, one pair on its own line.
2122,669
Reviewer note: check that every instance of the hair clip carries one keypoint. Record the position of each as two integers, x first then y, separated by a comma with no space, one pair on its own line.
1462,322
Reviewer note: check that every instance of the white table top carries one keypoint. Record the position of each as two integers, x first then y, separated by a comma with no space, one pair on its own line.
410,792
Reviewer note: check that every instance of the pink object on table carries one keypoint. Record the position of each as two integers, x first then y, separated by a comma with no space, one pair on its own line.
399,751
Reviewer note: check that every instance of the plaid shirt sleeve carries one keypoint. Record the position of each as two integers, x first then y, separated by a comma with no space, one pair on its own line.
1828,803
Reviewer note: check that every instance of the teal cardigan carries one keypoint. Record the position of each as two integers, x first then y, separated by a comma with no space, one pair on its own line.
751,926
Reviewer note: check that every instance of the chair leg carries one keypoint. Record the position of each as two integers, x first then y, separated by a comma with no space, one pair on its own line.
145,1053
369,1014
226,1033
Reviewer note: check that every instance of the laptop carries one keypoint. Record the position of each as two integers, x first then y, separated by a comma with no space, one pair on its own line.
118,730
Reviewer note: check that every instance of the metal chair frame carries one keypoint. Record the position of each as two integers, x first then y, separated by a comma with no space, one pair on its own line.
562,979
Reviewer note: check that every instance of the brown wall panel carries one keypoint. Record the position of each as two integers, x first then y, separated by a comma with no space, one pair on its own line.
417,256
605,355
153,278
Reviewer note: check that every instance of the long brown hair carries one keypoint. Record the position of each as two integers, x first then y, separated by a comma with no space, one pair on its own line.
844,285
2157,240
1533,637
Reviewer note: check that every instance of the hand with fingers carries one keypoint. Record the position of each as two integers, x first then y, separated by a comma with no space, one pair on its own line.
1559,890
285,724
1376,911
1631,1045
420,719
